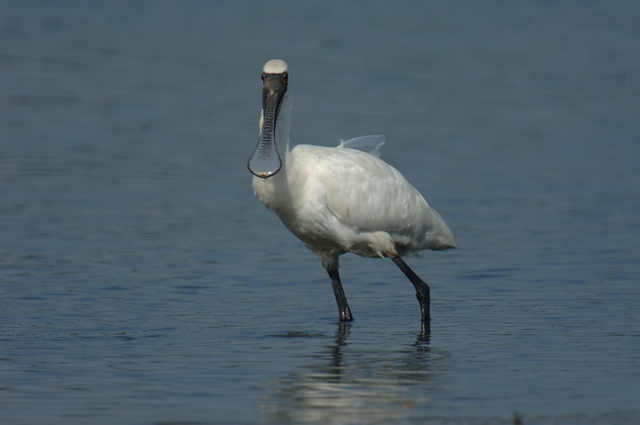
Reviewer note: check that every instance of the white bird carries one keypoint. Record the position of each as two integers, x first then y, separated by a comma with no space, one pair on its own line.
339,200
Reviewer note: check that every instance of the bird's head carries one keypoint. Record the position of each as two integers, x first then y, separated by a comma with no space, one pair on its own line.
265,160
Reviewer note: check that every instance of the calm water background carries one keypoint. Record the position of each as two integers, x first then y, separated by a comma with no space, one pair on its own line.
142,283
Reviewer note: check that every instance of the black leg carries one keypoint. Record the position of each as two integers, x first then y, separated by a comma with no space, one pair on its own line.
343,306
422,290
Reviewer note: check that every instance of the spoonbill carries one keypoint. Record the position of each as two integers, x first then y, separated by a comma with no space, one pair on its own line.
339,200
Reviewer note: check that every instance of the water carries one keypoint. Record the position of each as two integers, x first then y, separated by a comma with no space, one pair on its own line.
142,283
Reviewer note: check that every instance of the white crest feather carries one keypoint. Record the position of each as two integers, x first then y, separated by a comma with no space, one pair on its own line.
275,66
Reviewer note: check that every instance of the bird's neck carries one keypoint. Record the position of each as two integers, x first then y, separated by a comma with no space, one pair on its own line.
283,128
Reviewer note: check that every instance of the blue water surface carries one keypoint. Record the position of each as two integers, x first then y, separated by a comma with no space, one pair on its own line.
142,283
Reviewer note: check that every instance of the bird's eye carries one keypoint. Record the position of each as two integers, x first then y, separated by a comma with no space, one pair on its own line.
285,77
262,77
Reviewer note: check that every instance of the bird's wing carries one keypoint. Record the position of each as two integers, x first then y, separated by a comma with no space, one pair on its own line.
369,144
366,193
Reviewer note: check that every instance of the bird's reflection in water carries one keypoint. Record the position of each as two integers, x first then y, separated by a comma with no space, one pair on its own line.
335,368
347,383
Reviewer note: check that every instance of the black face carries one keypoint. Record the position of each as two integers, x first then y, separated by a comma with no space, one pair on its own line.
265,160
274,86
273,81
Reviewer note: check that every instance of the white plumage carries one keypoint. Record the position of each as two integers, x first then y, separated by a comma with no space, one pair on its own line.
339,200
